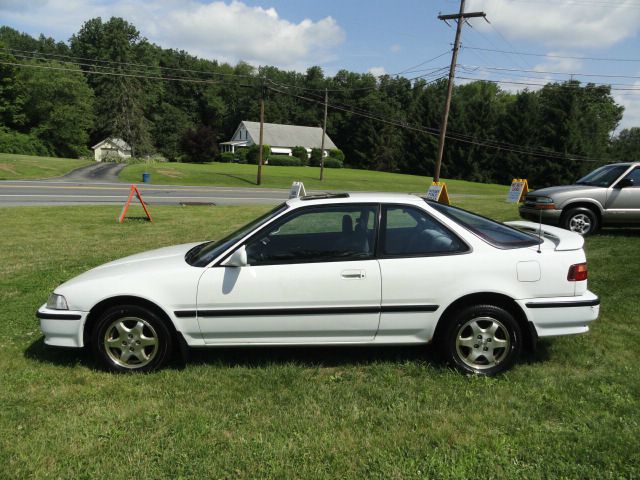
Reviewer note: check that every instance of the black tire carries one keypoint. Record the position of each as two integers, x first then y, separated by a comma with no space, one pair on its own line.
581,220
130,338
482,339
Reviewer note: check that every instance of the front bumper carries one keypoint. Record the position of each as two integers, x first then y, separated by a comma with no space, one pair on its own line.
62,328
561,315
550,217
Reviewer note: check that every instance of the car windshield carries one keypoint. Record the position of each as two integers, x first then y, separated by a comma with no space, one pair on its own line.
203,254
603,176
497,234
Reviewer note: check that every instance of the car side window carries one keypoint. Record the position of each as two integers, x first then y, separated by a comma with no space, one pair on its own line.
635,176
409,231
321,234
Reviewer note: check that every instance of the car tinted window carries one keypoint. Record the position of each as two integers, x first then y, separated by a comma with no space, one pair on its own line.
603,176
635,176
497,234
203,254
409,231
319,234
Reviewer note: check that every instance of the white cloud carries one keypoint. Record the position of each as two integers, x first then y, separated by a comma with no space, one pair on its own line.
395,48
377,71
561,24
217,30
631,103
553,63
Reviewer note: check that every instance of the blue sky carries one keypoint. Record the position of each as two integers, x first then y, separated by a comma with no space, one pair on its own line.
382,36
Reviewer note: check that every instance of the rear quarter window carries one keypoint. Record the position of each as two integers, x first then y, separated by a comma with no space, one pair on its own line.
495,233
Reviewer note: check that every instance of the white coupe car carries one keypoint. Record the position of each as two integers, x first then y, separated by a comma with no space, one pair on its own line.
336,269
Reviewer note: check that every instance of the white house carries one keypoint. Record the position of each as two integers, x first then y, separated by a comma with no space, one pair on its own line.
281,138
110,147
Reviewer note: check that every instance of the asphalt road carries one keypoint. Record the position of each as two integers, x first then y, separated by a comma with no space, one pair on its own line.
97,185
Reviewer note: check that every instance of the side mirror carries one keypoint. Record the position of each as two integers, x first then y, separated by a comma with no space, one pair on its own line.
625,182
237,258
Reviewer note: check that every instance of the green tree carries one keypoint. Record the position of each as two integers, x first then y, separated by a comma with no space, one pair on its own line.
57,107
122,99
626,146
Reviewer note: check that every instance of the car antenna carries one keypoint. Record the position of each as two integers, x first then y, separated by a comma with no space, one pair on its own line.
539,230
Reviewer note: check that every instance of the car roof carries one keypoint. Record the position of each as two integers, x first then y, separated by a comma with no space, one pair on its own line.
354,197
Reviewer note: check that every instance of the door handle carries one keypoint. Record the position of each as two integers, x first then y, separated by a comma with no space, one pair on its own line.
353,274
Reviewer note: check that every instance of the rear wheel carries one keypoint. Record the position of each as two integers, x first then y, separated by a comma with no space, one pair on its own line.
581,220
482,339
131,338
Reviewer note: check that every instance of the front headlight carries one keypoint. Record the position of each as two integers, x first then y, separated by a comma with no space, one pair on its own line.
544,203
57,302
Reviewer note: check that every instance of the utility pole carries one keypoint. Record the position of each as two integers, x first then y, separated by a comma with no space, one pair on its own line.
324,130
262,94
460,18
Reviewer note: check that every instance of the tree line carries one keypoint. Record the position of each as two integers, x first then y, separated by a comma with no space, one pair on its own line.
59,98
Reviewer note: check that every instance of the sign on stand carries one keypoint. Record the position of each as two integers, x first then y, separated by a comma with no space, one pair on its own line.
519,188
297,190
134,190
438,193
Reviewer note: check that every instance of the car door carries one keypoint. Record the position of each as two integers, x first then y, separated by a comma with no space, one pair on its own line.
623,204
311,278
421,262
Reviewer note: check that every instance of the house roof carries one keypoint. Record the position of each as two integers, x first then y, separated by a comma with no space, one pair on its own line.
118,142
278,135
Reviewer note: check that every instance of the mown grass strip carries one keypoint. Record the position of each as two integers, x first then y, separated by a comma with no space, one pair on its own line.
22,167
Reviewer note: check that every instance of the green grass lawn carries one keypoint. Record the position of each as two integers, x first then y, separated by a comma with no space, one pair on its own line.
344,179
572,410
19,167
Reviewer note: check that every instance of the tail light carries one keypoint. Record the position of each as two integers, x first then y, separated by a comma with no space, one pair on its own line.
577,272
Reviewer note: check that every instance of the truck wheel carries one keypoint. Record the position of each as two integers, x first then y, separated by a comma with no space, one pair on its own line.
581,220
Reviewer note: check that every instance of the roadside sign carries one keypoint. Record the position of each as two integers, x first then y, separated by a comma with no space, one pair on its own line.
132,191
519,188
297,190
438,193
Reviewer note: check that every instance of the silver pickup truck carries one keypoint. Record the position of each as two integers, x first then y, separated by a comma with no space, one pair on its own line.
608,196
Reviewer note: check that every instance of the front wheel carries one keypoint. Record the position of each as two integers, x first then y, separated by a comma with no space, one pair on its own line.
580,220
131,338
482,339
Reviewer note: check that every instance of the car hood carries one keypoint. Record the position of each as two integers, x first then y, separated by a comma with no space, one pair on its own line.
141,265
152,255
551,191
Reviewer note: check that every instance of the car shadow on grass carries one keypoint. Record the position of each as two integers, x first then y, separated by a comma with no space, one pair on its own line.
64,357
261,357
619,232
315,356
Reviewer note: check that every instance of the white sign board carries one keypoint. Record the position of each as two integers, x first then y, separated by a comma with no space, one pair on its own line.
434,192
297,190
515,192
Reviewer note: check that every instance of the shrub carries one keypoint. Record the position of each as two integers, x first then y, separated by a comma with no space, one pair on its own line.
241,155
301,153
331,162
226,157
253,154
337,154
285,160
20,143
316,155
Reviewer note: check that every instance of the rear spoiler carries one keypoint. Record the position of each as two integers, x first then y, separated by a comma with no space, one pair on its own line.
563,239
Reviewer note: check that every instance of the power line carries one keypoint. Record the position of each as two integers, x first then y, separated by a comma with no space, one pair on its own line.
548,84
46,56
550,55
573,74
122,74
